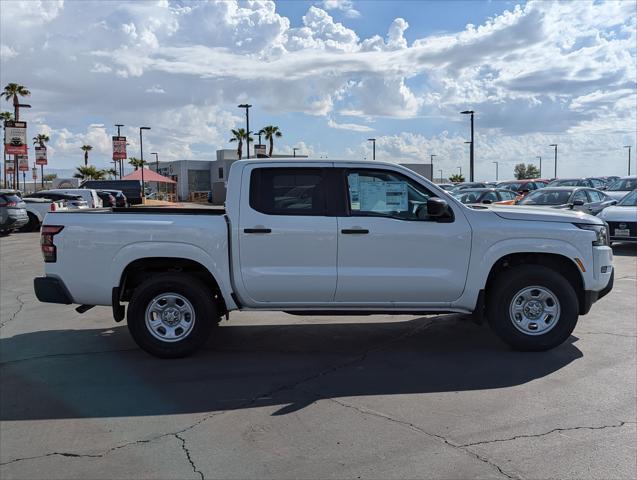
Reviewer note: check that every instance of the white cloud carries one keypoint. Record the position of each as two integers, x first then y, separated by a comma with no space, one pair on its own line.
155,89
6,52
346,6
354,127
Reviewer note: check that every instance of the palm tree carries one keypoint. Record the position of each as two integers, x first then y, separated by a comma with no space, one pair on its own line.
137,162
40,139
86,149
11,92
239,135
112,173
456,178
89,172
270,132
5,117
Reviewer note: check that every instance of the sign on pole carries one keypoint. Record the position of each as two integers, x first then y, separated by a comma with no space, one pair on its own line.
259,151
10,167
119,148
15,137
23,163
34,173
40,156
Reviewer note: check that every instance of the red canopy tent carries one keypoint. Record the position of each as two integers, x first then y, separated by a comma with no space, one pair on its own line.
149,176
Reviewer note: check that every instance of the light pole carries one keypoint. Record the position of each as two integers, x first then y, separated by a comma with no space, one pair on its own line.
628,147
373,140
496,171
16,116
441,180
247,107
471,168
119,125
540,157
431,157
555,145
294,149
460,170
141,154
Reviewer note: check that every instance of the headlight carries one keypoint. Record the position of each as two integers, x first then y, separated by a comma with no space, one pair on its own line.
600,230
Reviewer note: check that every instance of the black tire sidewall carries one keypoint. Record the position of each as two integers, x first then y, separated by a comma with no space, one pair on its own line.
511,282
189,287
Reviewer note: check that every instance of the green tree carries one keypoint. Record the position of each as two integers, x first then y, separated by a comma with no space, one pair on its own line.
89,172
11,92
137,162
522,171
49,177
456,177
112,173
40,139
270,132
86,149
6,116
239,135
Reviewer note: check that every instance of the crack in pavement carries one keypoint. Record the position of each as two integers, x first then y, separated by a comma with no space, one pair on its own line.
606,333
187,452
536,435
419,430
70,354
12,316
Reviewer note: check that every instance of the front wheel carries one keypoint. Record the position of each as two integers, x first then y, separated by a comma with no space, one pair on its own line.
171,315
532,308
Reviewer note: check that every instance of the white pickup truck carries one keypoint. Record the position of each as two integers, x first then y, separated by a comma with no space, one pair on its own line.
328,237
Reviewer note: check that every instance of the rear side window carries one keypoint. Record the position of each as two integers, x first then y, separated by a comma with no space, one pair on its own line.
596,196
288,191
507,195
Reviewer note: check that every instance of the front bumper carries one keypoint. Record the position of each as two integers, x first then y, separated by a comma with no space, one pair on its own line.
51,290
591,297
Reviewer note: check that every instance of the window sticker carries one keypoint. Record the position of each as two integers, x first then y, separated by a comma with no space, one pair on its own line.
383,196
354,182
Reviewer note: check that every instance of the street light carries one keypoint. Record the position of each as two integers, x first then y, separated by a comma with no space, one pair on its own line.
156,161
247,107
496,171
470,112
540,157
294,149
373,140
141,153
460,169
555,145
441,180
431,156
628,147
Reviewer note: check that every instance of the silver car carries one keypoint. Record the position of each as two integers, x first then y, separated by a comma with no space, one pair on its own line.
13,212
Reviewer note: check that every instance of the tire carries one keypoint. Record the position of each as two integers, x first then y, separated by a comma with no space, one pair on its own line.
32,226
514,299
180,297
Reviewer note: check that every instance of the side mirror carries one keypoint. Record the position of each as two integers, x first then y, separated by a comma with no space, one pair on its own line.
525,191
487,201
437,207
577,203
613,202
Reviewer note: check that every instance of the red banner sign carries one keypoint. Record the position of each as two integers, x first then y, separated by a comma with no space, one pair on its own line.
15,138
23,163
10,168
119,148
40,156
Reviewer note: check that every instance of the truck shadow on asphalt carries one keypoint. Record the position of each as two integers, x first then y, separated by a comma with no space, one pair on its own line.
100,373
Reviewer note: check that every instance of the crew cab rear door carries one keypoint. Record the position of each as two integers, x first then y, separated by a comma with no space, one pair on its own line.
287,240
387,255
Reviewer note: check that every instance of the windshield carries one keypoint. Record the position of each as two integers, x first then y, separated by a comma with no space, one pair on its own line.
565,183
467,196
629,200
623,185
546,197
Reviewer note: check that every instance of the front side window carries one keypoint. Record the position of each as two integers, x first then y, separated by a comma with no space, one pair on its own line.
288,191
580,195
507,195
385,193
596,196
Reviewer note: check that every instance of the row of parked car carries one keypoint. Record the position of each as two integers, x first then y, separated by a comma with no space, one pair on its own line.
26,212
613,199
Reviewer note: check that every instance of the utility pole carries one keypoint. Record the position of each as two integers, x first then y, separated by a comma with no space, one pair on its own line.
294,149
496,171
555,145
628,147
471,158
247,107
540,157
431,157
373,140
441,180
141,152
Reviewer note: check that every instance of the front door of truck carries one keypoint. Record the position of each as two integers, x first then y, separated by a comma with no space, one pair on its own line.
287,242
388,255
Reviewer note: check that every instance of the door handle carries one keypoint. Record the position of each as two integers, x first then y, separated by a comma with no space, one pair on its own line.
354,231
257,230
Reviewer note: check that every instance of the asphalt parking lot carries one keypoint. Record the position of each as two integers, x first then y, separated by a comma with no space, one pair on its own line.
279,396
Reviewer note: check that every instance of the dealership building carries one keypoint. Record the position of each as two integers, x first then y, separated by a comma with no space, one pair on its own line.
195,178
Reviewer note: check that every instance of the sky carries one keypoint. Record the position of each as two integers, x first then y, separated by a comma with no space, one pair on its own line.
331,74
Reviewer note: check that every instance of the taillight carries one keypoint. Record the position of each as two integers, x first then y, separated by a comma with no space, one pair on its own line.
49,252
12,204
53,207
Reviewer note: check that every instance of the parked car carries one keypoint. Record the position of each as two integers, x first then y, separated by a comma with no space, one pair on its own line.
120,199
522,187
69,201
582,199
37,208
592,182
486,196
131,189
107,199
622,187
445,186
87,194
13,212
372,237
622,219
465,185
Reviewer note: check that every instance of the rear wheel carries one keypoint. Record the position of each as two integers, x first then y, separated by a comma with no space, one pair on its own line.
32,226
532,308
171,315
